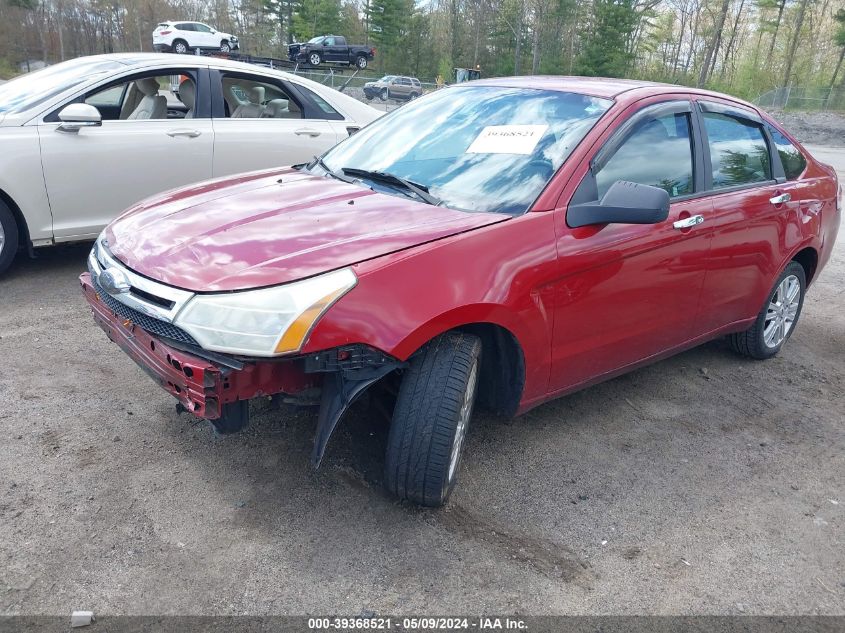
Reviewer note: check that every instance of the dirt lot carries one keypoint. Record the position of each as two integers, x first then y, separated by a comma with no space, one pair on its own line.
703,484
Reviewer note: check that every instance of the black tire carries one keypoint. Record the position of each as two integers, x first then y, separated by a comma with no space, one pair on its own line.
314,59
224,46
754,341
384,94
180,47
8,237
414,95
361,62
426,435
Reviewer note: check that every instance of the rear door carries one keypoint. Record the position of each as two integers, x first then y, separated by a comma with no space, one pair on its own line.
752,202
629,292
291,128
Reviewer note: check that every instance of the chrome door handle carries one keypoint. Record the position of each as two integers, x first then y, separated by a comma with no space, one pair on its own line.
784,197
689,222
184,132
308,132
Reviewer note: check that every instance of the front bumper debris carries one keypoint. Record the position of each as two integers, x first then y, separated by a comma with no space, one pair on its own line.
203,387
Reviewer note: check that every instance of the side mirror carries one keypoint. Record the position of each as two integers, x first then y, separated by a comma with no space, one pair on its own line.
624,203
79,115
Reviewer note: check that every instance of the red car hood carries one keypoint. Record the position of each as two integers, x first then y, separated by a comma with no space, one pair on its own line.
267,228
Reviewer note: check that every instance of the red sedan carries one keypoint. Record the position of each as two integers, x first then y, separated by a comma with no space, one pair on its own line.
500,243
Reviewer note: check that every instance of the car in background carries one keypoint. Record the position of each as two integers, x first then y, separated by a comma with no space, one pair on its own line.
87,138
331,49
502,242
393,87
184,37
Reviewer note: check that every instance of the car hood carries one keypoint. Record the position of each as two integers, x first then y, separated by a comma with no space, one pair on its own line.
268,228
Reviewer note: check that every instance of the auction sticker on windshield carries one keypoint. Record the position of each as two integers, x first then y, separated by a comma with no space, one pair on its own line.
507,139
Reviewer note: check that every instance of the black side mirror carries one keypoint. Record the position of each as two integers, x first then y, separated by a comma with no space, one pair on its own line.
624,203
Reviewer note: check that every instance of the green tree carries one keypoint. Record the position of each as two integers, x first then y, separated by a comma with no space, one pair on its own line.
605,52
317,17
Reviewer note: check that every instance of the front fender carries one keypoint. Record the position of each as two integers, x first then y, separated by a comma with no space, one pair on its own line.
500,274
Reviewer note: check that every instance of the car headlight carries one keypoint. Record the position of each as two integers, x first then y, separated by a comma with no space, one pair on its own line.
266,322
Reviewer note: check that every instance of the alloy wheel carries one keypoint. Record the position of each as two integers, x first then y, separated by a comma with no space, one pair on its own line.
782,311
2,238
463,422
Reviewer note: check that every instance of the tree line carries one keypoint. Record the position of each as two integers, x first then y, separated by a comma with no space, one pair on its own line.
740,46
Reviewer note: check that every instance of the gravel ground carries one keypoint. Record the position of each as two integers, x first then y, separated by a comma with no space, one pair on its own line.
819,128
703,484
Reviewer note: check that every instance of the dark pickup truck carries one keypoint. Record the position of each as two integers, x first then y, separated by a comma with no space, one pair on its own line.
331,49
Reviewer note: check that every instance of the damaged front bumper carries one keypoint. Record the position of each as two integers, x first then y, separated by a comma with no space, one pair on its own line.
218,387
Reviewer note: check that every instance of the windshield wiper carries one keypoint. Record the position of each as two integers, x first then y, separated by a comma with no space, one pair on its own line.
319,161
421,191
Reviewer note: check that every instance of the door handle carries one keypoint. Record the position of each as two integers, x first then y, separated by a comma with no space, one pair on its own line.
689,222
184,132
306,131
780,199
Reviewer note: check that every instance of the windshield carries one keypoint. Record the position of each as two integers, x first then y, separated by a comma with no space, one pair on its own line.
387,78
31,89
316,40
475,148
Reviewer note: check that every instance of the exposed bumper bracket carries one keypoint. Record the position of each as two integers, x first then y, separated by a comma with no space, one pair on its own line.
343,384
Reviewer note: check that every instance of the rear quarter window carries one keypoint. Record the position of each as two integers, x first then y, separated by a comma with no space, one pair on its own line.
792,159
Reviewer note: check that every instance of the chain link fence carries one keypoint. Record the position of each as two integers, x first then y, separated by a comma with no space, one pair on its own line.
803,98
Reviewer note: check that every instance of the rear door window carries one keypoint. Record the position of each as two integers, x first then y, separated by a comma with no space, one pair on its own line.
739,154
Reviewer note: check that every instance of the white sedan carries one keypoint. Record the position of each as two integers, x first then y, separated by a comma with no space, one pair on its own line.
85,139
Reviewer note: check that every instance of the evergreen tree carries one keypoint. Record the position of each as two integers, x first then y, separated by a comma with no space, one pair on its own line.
605,49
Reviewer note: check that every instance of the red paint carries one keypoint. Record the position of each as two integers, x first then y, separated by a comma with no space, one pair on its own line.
584,304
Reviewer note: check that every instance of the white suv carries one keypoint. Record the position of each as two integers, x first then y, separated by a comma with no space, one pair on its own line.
182,37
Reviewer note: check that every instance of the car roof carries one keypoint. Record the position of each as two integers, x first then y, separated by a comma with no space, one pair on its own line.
605,87
145,60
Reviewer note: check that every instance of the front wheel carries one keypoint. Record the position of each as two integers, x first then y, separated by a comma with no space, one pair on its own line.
8,237
361,62
383,94
314,59
224,47
430,420
777,320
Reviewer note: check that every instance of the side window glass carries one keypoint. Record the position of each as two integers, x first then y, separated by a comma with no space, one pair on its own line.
257,98
793,161
110,97
185,27
738,151
322,104
658,153
162,97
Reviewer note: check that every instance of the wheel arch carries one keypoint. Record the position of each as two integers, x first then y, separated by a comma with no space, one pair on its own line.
20,220
503,361
808,257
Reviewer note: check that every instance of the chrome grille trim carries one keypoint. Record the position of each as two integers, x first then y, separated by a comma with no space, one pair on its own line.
100,259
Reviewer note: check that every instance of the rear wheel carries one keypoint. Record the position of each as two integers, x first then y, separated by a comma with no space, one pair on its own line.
431,417
361,62
314,59
180,47
414,95
777,320
8,237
